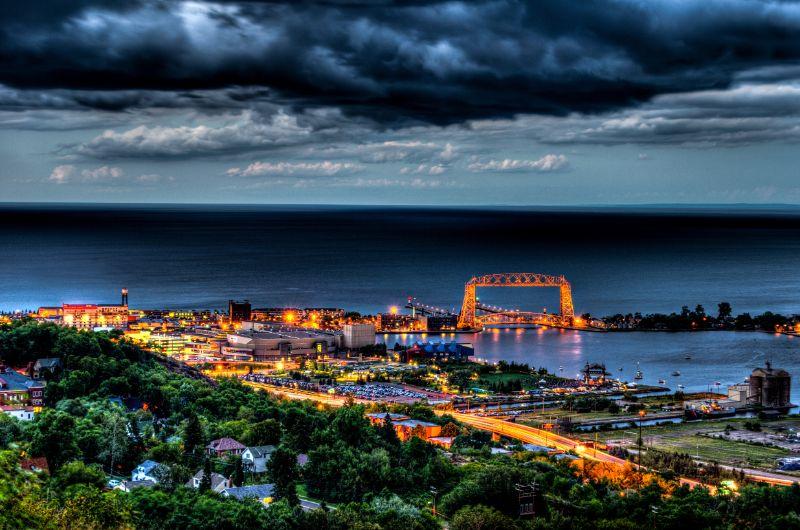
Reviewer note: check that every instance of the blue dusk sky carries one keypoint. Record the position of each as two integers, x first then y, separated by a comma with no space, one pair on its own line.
601,102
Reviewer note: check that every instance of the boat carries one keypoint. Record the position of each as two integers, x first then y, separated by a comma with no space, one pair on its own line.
680,387
661,382
639,374
688,357
676,373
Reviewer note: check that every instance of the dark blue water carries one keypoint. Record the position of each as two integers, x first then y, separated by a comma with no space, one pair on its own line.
368,259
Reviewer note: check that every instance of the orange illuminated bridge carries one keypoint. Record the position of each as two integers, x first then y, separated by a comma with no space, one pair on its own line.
470,319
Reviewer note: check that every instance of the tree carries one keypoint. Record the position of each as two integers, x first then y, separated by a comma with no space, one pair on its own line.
193,433
238,471
54,437
724,310
205,481
75,473
282,471
267,432
450,429
481,518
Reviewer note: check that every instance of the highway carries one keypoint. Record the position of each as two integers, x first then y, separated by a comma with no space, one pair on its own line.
532,435
523,433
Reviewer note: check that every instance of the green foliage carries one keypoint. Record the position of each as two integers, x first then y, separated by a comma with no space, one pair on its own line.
283,472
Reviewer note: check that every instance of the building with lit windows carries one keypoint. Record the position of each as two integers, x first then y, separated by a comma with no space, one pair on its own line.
272,343
19,392
90,316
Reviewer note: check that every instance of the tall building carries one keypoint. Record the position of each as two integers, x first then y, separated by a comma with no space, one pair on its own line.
239,311
358,335
90,316
770,387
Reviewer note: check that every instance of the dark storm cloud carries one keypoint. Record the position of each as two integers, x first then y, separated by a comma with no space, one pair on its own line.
438,62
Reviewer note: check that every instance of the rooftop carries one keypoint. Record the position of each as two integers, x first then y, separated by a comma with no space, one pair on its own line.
12,380
225,444
256,491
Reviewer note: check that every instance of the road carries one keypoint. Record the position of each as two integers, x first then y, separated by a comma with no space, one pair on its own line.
532,435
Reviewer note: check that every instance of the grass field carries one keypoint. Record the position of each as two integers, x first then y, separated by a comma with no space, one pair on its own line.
687,438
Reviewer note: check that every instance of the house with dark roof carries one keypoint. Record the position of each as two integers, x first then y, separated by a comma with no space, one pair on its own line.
218,482
17,389
254,459
225,447
129,485
46,367
261,492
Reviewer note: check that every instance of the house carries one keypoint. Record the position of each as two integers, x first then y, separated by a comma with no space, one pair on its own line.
21,413
46,368
255,458
225,447
218,482
261,492
129,485
17,389
149,470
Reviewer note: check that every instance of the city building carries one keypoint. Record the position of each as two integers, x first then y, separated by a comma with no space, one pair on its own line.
770,387
358,335
239,311
91,316
224,447
396,322
405,429
436,323
273,343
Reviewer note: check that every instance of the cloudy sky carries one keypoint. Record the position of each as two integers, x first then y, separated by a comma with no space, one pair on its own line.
416,102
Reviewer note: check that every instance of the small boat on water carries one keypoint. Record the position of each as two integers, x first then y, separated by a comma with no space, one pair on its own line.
680,387
688,357
661,382
639,374
676,373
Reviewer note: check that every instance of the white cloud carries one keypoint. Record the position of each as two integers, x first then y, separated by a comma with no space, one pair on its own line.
247,131
437,169
62,174
291,168
102,174
546,164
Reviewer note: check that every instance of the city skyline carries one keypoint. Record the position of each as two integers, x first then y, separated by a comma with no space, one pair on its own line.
483,103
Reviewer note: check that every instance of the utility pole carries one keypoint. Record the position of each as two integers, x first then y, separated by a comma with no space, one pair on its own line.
434,492
641,417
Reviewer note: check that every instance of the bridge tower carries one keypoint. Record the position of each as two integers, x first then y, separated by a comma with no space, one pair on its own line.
467,319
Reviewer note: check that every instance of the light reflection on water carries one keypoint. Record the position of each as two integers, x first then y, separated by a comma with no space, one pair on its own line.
716,356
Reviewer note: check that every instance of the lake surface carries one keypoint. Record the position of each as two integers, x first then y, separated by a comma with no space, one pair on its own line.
368,259
727,357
